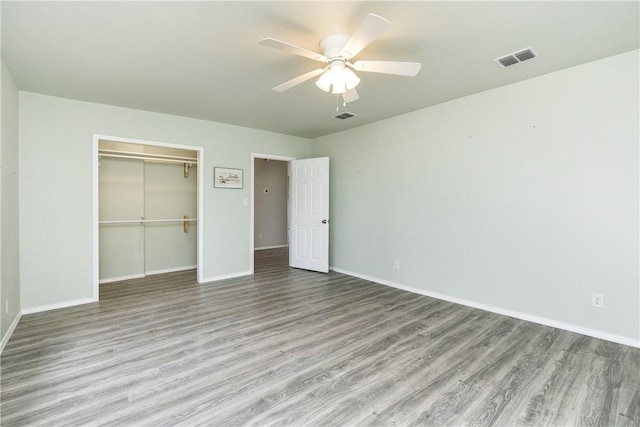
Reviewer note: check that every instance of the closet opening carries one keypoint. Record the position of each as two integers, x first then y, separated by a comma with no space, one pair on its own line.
147,208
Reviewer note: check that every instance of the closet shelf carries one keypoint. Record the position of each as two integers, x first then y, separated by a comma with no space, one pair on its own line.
147,156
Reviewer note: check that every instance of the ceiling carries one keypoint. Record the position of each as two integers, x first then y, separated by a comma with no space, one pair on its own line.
202,59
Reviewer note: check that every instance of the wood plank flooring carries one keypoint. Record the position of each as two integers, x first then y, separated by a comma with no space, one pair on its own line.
290,347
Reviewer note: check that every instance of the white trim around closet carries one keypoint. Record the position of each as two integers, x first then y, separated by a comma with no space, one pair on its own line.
200,230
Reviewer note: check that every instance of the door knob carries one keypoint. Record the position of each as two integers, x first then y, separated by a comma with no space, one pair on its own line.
324,221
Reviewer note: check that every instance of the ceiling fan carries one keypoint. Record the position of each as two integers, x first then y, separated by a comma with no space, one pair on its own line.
338,50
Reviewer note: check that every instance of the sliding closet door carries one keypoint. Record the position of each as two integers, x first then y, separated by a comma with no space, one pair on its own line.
169,195
121,190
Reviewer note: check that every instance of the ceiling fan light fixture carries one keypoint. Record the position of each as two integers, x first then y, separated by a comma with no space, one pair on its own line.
339,88
338,78
324,82
350,79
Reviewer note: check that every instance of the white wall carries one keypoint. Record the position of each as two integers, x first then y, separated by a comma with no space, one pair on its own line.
523,198
56,189
270,203
9,242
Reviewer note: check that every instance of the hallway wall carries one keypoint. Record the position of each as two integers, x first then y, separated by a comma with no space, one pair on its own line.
270,203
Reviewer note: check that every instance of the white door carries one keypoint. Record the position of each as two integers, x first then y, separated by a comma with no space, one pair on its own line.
121,198
130,190
169,194
309,240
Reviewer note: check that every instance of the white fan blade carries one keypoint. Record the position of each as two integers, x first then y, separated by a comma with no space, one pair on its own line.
296,81
389,67
350,95
370,28
291,48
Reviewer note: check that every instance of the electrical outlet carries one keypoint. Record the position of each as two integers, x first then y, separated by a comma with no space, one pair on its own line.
597,300
396,264
259,236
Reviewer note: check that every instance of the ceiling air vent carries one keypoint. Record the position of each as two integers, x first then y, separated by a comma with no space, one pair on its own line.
516,57
524,55
345,116
507,61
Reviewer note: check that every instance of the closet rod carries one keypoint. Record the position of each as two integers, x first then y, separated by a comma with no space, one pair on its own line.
168,159
191,162
135,221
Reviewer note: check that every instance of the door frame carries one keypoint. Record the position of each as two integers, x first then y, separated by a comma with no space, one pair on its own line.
252,242
96,229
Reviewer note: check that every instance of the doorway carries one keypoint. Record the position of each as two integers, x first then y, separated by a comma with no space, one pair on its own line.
269,203
147,203
271,213
308,211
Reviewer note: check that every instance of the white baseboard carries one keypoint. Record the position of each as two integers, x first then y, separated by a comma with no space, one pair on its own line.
56,306
171,270
224,277
12,328
498,310
121,278
262,248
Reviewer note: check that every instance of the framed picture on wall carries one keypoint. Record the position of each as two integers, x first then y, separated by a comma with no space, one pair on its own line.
227,178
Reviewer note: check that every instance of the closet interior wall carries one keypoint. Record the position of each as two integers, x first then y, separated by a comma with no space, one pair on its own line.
142,207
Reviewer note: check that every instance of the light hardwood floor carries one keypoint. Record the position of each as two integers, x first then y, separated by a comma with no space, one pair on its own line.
290,347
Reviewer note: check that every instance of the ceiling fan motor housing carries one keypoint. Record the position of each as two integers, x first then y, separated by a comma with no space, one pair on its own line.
331,46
